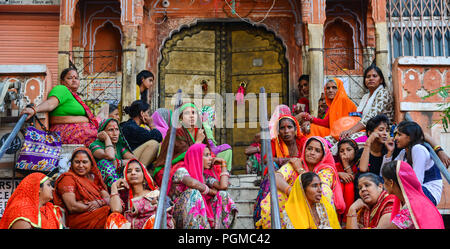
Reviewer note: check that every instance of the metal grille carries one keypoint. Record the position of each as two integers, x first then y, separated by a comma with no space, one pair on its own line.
419,27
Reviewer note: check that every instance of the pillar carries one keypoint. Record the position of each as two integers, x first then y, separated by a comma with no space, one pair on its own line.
128,92
64,44
316,74
382,55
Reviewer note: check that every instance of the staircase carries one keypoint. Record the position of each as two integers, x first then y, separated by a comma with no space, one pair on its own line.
244,192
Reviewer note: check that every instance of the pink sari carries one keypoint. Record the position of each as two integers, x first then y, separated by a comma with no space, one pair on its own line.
423,213
327,162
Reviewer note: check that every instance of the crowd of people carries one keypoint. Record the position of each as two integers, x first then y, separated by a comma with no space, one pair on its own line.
342,169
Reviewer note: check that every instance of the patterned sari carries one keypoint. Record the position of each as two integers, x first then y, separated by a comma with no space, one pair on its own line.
24,205
192,210
369,218
86,189
78,133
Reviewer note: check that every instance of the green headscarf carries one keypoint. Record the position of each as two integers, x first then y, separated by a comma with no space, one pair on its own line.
121,145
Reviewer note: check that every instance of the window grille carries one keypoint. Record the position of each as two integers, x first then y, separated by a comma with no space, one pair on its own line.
419,27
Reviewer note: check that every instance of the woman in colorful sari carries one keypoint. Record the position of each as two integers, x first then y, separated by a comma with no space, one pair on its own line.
200,199
287,144
82,193
339,105
30,206
224,151
377,101
374,208
68,114
316,157
412,209
140,209
307,207
110,151
189,132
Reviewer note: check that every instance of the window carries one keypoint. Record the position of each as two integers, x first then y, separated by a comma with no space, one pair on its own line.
419,27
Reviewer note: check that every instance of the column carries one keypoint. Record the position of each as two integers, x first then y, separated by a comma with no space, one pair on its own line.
128,94
316,74
382,56
65,39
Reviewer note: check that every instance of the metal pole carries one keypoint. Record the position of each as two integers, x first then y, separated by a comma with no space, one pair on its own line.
161,210
265,138
13,134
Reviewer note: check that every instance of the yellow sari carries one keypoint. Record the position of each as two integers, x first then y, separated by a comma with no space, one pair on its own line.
299,212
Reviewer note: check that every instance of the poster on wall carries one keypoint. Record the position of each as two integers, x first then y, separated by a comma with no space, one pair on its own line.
6,188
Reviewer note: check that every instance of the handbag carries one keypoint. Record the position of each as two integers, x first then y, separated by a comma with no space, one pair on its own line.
40,151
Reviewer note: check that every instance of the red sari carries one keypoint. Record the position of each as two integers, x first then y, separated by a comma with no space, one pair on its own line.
24,205
85,190
370,218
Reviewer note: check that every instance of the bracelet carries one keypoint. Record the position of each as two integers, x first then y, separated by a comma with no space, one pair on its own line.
112,146
352,215
206,191
349,167
439,150
115,194
436,147
286,190
33,110
225,174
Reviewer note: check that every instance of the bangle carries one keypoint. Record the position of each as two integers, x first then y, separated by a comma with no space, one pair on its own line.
352,215
112,146
115,194
436,147
225,174
438,150
286,190
33,110
206,191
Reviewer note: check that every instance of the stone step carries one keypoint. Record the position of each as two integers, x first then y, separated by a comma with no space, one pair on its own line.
243,180
243,193
245,207
244,222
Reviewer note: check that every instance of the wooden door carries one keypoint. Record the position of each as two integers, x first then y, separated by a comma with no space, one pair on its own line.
223,55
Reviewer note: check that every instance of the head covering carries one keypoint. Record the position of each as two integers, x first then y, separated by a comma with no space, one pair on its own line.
299,211
24,205
89,191
280,149
161,120
279,111
208,115
340,106
147,178
121,142
423,212
327,162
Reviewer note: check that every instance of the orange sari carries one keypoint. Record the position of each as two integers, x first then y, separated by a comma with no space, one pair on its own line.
85,190
24,205
339,107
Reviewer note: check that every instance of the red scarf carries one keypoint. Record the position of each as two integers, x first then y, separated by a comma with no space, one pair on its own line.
89,114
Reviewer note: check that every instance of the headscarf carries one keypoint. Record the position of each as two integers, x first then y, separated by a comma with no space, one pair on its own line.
121,144
89,190
161,120
299,211
327,162
147,178
208,115
280,149
193,163
279,111
423,212
340,106
24,205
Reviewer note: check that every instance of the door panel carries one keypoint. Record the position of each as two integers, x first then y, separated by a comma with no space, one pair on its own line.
224,55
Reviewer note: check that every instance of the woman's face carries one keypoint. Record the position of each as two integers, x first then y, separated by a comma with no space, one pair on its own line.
347,151
402,140
331,89
372,80
313,152
81,164
114,114
287,130
71,80
207,159
145,116
369,191
46,192
112,129
135,175
189,117
382,130
148,82
313,191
